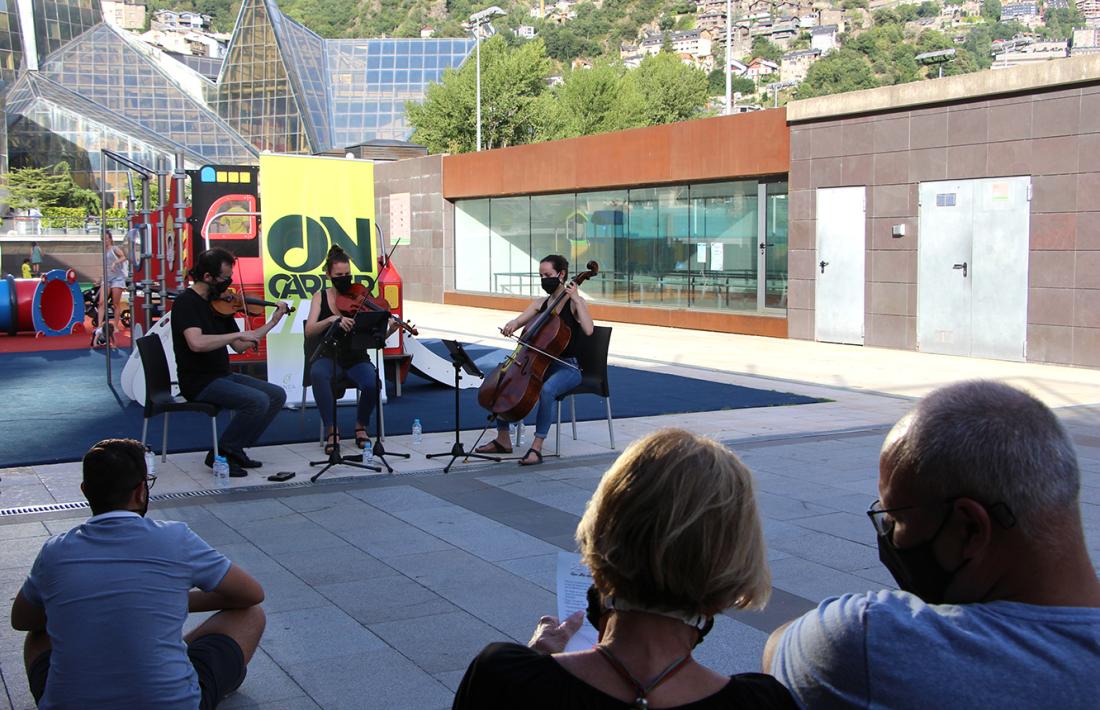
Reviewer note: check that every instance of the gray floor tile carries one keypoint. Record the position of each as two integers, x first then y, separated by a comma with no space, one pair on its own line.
285,592
840,554
290,533
539,569
447,642
478,535
815,581
731,647
374,679
266,683
396,499
342,562
849,526
21,530
389,537
308,635
247,511
20,554
451,679
372,601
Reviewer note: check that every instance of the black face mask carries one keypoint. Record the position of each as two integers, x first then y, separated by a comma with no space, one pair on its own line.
220,285
550,283
916,570
341,283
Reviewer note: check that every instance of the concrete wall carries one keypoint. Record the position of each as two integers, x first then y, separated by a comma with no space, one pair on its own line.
85,256
426,265
1052,135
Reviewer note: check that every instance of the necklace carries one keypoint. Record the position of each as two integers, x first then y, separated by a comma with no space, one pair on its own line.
640,702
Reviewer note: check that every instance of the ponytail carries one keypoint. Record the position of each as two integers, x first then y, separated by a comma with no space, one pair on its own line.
335,255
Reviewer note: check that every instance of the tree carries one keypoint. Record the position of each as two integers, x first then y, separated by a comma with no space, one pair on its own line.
512,80
839,71
716,83
663,90
51,186
991,10
928,9
761,47
586,103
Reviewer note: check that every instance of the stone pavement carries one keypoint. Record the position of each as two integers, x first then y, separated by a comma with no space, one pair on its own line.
380,589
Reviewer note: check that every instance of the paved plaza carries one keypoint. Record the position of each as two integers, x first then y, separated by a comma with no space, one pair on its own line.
380,589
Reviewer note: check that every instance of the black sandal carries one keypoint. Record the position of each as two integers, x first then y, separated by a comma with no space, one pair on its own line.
493,447
538,456
333,440
361,441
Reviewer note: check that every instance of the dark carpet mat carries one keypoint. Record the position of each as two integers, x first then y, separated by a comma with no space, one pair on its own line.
55,405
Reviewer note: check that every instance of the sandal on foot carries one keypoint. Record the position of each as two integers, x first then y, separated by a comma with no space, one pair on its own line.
361,437
333,440
538,458
493,447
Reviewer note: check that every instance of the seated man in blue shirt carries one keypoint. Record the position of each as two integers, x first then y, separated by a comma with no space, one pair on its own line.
105,603
979,523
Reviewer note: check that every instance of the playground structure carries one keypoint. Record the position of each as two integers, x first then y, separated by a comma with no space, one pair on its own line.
50,305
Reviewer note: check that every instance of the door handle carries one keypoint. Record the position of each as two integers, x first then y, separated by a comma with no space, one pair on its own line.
823,265
763,246
961,266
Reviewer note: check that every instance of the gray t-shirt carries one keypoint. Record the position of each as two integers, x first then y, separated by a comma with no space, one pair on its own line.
115,594
889,649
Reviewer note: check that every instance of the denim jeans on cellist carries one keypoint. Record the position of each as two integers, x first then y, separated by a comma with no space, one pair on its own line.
559,379
322,373
254,404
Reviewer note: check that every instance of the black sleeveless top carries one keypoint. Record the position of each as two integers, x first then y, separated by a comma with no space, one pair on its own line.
345,357
570,319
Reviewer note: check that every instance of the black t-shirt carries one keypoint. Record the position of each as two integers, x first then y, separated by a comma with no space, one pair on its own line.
196,370
507,675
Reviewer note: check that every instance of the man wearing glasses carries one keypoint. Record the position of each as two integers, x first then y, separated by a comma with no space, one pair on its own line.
105,603
978,520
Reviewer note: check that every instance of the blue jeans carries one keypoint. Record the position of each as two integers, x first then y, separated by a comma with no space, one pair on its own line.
324,370
559,379
254,404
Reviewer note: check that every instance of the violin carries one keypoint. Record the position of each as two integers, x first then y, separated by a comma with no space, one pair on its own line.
359,298
233,302
511,391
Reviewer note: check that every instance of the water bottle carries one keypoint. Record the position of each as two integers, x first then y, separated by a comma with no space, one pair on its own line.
418,432
368,452
150,462
519,434
221,472
512,430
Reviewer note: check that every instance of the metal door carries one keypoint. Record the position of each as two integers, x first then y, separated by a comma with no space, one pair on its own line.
972,267
944,265
839,286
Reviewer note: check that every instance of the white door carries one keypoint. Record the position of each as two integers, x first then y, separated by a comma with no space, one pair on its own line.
972,267
840,268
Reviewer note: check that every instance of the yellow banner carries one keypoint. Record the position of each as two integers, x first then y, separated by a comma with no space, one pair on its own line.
306,205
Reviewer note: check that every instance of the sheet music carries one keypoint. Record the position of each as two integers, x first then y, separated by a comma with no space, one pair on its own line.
574,579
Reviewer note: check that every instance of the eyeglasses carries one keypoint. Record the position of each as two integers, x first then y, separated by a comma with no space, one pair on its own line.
884,524
150,481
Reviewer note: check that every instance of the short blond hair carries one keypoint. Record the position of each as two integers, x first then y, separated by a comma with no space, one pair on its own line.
673,526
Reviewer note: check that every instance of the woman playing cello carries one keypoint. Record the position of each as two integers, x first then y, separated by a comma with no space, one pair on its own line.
560,378
340,359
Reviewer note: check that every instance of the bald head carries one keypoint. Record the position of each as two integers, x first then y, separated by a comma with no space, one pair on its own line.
989,442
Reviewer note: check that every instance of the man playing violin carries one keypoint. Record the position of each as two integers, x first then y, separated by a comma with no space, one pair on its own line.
340,359
200,338
562,376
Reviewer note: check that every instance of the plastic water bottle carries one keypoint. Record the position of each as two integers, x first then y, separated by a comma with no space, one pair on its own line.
513,430
368,452
221,472
519,434
418,432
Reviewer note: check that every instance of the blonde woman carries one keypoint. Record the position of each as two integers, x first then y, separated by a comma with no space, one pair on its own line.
672,537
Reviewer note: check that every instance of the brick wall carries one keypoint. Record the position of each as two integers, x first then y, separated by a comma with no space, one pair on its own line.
1053,136
426,264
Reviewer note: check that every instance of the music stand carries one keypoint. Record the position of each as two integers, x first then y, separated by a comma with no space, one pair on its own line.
369,329
461,361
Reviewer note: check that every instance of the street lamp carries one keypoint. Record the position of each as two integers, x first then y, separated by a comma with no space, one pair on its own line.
939,58
778,86
477,21
729,46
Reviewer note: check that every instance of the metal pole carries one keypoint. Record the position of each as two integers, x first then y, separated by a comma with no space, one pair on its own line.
146,249
477,40
162,238
181,221
729,50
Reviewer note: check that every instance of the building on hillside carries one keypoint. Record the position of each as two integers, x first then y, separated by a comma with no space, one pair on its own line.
1090,10
760,67
1056,5
173,21
1030,54
806,20
711,20
832,17
526,31
1086,40
824,38
689,42
427,32
123,13
1026,13
738,68
795,65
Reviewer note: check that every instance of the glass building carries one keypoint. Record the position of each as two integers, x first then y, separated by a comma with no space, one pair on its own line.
713,246
74,85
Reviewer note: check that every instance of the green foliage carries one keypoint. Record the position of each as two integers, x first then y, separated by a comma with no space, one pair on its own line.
761,47
898,15
839,71
564,44
116,217
663,90
590,101
716,83
48,187
991,10
979,42
929,9
857,4
63,217
1060,23
512,80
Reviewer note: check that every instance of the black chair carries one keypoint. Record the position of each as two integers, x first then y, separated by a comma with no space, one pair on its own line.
592,357
340,387
158,393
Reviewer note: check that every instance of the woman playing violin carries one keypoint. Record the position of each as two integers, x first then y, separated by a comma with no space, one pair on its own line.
562,376
339,360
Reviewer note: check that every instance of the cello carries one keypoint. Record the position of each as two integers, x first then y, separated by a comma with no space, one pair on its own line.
511,391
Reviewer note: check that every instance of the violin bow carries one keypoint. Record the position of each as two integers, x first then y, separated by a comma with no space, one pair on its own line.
540,352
